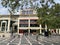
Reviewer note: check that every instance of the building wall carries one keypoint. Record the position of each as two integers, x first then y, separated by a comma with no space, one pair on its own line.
17,18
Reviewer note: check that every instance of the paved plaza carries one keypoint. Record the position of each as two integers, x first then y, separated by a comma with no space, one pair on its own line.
30,40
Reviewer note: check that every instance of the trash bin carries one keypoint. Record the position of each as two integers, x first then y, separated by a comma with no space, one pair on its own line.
46,33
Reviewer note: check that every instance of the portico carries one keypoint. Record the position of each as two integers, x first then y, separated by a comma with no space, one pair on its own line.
5,24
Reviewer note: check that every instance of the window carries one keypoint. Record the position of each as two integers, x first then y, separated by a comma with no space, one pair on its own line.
27,12
30,12
23,21
23,25
33,23
23,12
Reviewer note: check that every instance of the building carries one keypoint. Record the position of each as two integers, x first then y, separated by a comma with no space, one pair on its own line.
26,22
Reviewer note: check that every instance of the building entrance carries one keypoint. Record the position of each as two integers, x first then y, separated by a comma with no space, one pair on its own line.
33,31
23,31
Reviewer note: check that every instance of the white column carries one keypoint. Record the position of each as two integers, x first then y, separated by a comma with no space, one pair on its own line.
18,25
1,26
8,25
40,29
59,31
49,30
29,26
45,27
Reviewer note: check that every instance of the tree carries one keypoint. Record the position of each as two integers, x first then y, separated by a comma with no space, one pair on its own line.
16,5
44,12
49,15
56,10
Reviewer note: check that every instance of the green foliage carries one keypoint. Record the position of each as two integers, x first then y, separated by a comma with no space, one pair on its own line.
15,5
49,15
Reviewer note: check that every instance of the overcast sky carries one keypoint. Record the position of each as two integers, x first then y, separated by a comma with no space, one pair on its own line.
5,10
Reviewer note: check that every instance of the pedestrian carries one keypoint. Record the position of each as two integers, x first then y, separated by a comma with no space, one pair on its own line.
46,33
49,33
37,37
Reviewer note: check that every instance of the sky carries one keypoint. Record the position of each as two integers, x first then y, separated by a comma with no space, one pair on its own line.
4,11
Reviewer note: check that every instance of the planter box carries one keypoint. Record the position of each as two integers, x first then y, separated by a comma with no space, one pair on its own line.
5,34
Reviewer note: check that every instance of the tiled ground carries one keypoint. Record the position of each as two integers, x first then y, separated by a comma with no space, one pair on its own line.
31,40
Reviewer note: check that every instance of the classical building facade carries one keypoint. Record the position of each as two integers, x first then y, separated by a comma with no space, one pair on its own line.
25,22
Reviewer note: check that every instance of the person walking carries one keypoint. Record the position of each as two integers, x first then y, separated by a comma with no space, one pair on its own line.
37,37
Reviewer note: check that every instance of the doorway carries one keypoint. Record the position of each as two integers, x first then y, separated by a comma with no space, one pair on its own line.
23,31
4,26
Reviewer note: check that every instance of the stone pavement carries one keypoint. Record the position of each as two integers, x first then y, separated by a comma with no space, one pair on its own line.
30,40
